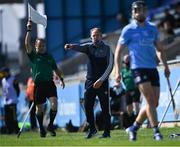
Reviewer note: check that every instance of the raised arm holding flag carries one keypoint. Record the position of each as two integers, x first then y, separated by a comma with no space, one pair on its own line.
36,17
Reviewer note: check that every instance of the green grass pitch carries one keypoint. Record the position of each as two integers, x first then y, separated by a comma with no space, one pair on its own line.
118,138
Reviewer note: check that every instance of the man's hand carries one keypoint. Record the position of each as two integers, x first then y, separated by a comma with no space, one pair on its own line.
117,78
62,83
29,25
166,72
97,84
57,76
117,85
68,46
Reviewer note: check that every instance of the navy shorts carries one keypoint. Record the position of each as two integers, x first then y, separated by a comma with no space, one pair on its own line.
44,90
142,75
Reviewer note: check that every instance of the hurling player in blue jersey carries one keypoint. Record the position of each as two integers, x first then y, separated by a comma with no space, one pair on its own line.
142,39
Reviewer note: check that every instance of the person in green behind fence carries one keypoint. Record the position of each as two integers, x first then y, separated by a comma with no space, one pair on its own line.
131,91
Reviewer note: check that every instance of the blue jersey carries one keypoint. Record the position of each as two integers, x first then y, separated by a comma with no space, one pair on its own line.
140,41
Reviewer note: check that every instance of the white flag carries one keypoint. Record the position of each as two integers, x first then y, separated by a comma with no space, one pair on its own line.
36,17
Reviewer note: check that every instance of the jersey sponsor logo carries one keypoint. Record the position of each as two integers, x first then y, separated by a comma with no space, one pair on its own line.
145,33
136,35
49,61
100,53
146,42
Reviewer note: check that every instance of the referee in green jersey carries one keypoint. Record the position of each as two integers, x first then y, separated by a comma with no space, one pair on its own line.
43,67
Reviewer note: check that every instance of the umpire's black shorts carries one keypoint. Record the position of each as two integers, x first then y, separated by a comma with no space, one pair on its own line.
44,90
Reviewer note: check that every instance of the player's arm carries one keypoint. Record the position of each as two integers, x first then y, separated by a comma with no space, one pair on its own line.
117,59
76,47
162,57
28,37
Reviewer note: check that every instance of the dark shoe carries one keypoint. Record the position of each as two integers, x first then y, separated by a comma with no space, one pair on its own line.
17,131
132,134
105,135
50,128
158,136
91,134
42,133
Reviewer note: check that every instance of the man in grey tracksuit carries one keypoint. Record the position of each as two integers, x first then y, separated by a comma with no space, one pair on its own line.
99,68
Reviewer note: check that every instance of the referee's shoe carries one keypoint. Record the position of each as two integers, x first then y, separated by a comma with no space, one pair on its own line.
42,133
50,128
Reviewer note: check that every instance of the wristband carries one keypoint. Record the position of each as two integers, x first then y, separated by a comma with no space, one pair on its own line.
28,30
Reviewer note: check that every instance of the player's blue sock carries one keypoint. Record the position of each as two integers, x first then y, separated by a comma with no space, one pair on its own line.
135,126
155,129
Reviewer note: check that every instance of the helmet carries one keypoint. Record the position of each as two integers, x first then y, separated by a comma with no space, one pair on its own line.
138,4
